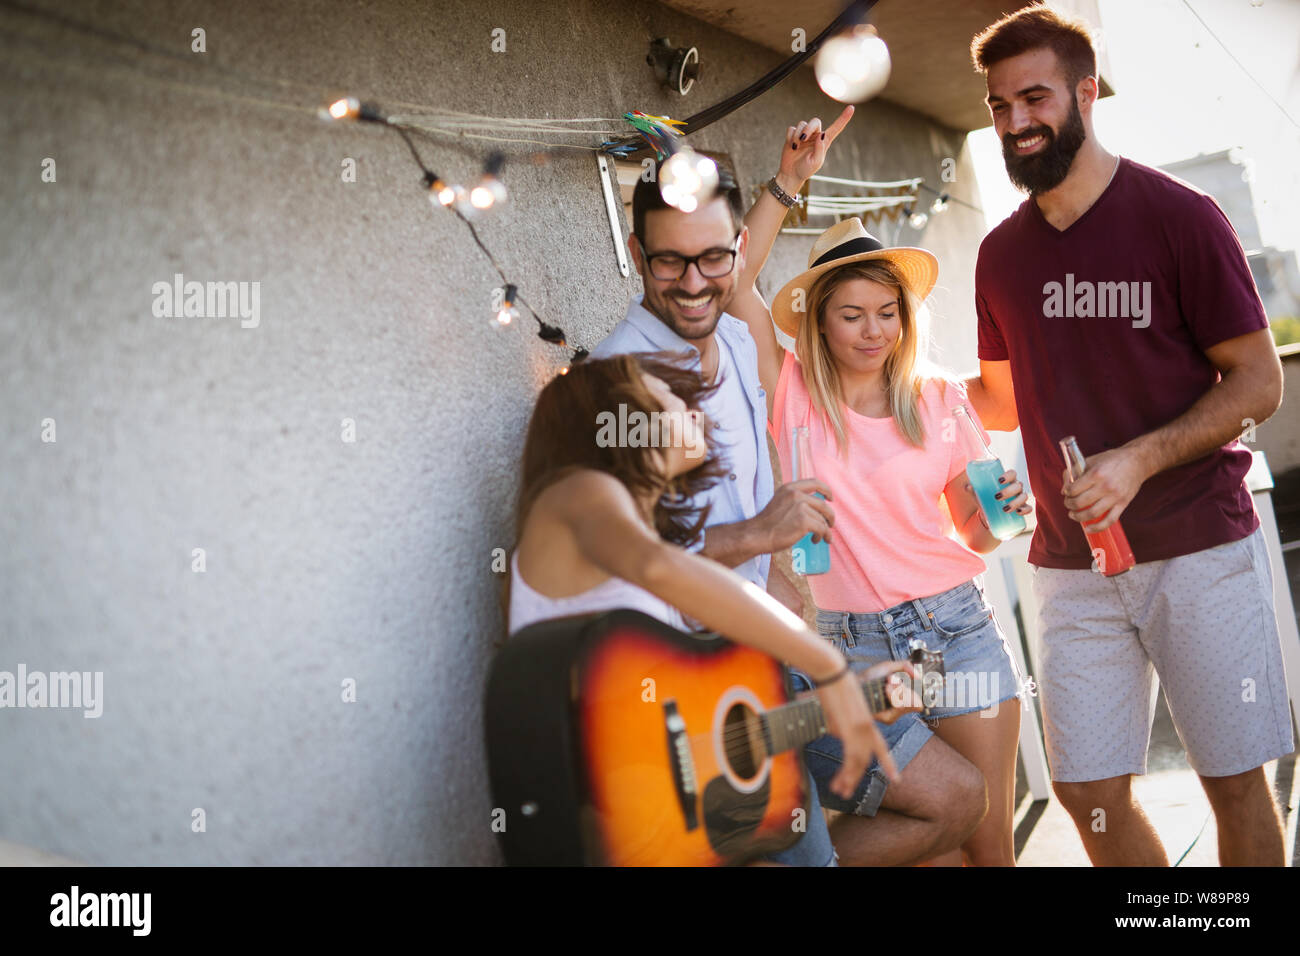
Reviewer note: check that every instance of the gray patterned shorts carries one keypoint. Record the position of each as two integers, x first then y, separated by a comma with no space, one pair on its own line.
1203,623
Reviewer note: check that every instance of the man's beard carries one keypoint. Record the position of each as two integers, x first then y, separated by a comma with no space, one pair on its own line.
699,329
1045,170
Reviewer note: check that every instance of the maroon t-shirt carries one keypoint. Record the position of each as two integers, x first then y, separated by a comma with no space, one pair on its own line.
1106,325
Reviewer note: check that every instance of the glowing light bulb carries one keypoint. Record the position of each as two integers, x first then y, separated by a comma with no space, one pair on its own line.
441,193
506,312
918,220
489,192
461,200
686,179
853,66
940,204
346,108
350,108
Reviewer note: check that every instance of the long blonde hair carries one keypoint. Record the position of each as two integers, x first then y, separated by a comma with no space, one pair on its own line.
905,369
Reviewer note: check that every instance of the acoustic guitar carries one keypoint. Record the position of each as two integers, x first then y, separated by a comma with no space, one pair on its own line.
615,739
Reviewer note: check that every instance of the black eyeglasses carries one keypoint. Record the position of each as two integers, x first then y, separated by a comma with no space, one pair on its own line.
712,263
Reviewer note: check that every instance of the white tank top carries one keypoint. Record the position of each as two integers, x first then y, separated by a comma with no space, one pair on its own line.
528,607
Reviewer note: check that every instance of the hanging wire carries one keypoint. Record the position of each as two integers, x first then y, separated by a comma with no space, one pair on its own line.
1250,76
854,13
311,93
546,331
951,198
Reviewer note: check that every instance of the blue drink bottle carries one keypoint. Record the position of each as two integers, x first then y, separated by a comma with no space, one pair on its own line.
805,556
983,470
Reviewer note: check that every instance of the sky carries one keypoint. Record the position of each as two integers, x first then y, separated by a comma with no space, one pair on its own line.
1178,94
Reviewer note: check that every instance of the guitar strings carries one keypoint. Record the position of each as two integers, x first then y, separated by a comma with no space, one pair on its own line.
738,733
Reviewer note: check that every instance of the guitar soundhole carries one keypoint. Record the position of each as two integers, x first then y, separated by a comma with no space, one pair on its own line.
742,741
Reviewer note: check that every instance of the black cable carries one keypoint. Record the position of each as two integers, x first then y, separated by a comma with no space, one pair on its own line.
547,332
854,13
951,198
411,146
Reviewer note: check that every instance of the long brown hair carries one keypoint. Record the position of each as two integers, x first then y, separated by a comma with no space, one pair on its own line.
563,436
906,369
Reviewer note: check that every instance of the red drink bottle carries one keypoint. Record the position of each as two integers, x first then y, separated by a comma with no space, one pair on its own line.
1110,549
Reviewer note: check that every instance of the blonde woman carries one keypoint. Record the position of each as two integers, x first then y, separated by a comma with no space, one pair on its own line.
908,532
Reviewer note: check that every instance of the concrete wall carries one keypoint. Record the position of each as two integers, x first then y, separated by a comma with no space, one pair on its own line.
325,560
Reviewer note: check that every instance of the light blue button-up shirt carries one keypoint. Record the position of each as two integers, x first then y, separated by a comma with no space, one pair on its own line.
642,331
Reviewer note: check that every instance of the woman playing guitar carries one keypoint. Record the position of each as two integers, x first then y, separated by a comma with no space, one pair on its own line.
614,451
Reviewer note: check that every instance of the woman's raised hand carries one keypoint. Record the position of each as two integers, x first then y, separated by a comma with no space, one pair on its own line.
806,145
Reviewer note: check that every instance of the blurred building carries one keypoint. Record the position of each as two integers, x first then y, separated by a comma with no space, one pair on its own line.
1225,175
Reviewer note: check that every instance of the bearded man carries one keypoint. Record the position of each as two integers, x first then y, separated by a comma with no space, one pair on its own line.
1115,305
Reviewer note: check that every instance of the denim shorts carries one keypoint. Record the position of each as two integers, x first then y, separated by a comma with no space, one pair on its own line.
980,675
814,847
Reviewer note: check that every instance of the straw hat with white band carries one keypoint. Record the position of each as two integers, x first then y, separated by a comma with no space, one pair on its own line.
845,242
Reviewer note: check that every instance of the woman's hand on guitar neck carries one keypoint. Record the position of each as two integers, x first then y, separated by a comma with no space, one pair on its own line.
901,694
848,718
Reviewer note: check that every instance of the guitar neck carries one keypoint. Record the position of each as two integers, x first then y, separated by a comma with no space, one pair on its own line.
803,721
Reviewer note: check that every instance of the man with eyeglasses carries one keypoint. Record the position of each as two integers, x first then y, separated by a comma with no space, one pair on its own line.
691,265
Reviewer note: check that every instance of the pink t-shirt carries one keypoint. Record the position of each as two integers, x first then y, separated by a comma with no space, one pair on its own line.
893,539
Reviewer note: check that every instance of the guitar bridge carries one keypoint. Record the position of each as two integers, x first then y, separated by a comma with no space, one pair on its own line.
683,764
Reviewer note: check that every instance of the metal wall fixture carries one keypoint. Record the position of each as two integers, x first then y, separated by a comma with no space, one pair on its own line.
677,67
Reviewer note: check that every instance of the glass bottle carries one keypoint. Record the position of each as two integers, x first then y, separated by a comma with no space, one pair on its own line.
983,469
1110,548
805,556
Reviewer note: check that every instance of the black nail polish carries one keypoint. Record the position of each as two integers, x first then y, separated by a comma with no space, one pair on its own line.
1002,481
802,136
998,496
1006,507
823,135
794,145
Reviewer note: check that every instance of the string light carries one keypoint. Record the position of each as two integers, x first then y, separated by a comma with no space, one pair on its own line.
940,204
687,179
345,107
853,66
507,313
350,108
916,220
441,193
465,204
490,191
948,199
578,356
550,333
